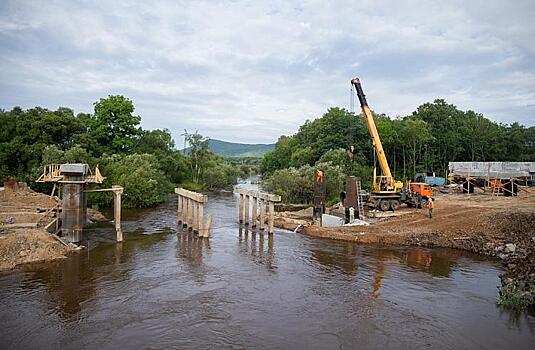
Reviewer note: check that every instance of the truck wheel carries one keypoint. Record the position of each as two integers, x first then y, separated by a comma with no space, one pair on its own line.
394,204
423,203
384,205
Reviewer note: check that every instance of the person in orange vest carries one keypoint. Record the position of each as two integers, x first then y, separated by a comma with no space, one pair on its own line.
430,206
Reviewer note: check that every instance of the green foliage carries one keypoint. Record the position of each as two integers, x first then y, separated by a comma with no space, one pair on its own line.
433,135
219,174
24,134
514,298
144,182
113,126
296,185
198,154
145,162
293,185
158,142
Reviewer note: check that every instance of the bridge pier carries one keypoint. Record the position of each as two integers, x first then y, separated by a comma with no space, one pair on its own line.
190,212
262,199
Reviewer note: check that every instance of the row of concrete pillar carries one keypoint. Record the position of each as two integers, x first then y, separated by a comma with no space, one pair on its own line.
190,211
262,204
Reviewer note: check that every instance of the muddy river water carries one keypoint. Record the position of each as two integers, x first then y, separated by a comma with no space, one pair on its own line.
163,288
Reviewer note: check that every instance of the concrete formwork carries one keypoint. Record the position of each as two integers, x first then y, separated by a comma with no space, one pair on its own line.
493,170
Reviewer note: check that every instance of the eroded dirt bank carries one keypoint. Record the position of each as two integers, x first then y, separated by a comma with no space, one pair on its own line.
31,246
24,214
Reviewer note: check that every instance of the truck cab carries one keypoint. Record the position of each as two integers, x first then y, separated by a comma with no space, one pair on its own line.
419,193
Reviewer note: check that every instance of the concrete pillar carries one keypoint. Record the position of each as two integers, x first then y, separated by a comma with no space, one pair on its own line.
208,226
246,209
200,220
190,211
185,212
179,209
241,208
196,216
271,217
255,211
117,215
262,213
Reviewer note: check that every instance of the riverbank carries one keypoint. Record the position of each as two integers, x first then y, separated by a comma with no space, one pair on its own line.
30,246
493,226
24,216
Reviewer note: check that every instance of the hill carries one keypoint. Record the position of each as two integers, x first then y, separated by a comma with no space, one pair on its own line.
239,150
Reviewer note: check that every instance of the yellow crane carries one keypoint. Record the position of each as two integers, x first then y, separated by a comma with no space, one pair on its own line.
387,193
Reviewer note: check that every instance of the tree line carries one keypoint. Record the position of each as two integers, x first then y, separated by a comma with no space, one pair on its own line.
145,162
425,141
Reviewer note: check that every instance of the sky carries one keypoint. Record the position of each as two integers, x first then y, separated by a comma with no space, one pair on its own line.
250,71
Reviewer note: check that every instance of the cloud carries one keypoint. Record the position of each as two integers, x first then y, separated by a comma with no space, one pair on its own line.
250,71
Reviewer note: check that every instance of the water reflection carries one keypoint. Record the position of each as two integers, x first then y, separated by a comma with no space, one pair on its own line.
257,244
73,281
191,248
439,263
344,259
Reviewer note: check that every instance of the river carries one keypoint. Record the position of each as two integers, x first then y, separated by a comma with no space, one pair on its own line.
163,288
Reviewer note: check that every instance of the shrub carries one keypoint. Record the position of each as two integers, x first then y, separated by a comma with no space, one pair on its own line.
219,174
297,185
512,297
144,183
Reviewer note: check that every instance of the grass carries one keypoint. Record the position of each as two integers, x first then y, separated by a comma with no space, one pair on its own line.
513,298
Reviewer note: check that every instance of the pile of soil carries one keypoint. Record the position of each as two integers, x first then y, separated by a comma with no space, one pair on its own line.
29,246
26,200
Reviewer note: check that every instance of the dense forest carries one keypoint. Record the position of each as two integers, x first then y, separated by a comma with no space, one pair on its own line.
433,135
145,162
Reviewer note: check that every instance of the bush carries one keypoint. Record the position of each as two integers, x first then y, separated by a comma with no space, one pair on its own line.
297,185
512,297
144,183
219,174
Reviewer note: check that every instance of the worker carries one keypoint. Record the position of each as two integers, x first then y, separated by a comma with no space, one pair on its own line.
430,205
319,176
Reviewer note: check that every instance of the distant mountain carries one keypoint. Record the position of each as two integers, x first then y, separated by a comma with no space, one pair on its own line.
238,150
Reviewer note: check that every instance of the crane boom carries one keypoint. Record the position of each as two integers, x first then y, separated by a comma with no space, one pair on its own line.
370,123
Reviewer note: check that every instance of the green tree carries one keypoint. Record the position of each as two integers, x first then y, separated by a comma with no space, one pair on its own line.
144,182
158,142
415,134
114,126
198,154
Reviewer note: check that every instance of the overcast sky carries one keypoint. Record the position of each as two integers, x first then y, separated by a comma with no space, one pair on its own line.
249,71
